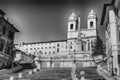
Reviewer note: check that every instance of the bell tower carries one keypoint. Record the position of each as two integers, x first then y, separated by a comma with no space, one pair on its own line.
91,20
72,26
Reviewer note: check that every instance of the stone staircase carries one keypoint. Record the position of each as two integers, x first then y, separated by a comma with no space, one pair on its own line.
59,74
52,74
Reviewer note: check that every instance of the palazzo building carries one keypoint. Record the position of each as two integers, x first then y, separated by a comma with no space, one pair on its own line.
7,32
79,41
111,21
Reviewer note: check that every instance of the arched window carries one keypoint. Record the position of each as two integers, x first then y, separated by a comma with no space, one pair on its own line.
71,26
91,24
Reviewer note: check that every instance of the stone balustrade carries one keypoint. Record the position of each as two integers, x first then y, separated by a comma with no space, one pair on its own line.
65,59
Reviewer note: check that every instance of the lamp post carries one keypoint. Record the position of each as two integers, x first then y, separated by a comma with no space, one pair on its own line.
112,64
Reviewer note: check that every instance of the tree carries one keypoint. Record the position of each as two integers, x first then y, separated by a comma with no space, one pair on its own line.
98,48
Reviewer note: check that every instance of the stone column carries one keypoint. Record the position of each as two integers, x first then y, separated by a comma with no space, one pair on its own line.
108,64
49,64
62,64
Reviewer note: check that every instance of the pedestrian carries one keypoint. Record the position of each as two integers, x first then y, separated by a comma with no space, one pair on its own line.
115,71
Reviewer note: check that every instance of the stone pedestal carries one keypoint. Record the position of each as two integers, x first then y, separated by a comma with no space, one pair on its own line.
35,70
30,72
11,77
82,78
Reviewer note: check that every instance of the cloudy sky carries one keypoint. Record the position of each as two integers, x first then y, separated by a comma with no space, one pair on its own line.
44,20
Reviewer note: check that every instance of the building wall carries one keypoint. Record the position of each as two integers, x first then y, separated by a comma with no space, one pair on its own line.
110,20
7,31
7,35
46,48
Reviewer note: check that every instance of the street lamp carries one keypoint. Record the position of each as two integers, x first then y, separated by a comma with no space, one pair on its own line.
112,64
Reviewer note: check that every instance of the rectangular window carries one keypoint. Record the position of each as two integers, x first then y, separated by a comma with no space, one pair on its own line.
1,46
57,49
4,30
11,35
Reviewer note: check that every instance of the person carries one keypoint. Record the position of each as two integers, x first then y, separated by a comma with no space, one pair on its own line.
37,63
115,71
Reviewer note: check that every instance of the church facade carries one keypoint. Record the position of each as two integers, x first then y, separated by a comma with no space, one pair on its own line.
79,41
